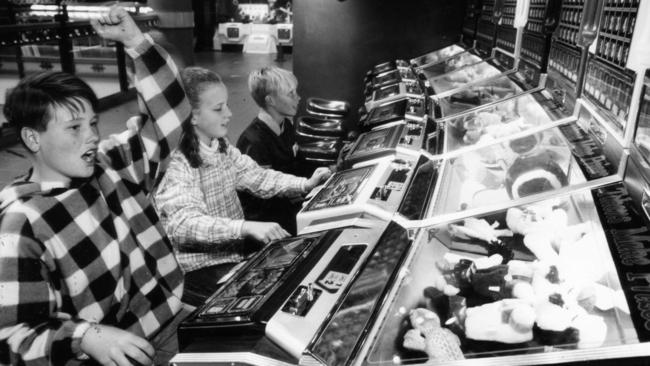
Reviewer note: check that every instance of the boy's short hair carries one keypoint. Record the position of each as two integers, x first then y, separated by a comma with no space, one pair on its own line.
31,102
269,80
196,80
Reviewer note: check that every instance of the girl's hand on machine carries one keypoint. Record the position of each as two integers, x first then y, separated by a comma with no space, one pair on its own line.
320,175
264,232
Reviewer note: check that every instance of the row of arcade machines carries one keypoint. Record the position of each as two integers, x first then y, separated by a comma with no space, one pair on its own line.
498,218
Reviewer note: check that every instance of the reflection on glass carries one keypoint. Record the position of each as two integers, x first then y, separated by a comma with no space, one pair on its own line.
498,173
458,78
502,120
437,56
642,138
454,63
479,94
519,281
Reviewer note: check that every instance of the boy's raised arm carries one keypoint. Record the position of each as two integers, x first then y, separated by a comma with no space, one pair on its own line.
142,151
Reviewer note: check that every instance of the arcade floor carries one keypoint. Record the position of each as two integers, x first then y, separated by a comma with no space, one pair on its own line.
233,68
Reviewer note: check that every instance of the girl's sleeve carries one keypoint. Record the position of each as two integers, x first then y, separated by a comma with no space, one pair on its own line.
261,182
184,213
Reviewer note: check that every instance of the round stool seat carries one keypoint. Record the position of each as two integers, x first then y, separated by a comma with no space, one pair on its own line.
327,108
319,150
319,126
308,137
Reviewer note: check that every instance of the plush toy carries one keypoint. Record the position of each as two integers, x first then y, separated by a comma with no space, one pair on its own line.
505,321
439,343
530,174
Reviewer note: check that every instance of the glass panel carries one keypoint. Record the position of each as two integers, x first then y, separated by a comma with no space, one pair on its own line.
437,56
496,122
642,138
498,173
526,280
458,78
454,63
477,95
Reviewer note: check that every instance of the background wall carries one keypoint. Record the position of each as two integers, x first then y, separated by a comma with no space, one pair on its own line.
336,42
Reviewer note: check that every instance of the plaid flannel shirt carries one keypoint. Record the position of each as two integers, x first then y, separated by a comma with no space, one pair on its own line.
200,209
94,250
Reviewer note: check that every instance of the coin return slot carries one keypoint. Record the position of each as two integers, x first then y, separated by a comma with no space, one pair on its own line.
302,300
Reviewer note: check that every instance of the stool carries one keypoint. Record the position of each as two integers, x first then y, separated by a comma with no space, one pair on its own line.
319,152
327,108
320,126
304,137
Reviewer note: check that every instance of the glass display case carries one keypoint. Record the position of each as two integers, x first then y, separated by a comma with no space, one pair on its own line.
501,172
437,56
567,152
459,77
477,95
500,121
456,62
520,285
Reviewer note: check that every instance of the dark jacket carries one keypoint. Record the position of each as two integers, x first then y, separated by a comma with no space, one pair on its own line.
270,150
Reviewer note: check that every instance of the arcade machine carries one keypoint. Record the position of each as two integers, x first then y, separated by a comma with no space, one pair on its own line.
534,24
400,79
467,38
504,55
432,66
294,296
555,104
466,42
498,122
373,188
478,95
616,64
561,278
397,94
486,158
483,112
382,92
572,262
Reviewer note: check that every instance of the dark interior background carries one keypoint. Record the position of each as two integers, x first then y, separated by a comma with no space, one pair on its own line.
336,42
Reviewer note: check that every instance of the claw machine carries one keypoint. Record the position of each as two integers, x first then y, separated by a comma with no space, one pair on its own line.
377,91
467,38
504,57
295,296
531,76
610,97
432,65
616,64
561,278
492,277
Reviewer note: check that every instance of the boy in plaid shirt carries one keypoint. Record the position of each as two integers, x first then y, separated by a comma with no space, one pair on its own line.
86,270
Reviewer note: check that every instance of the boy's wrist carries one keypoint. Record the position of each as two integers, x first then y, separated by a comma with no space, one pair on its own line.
135,41
307,186
140,46
77,336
